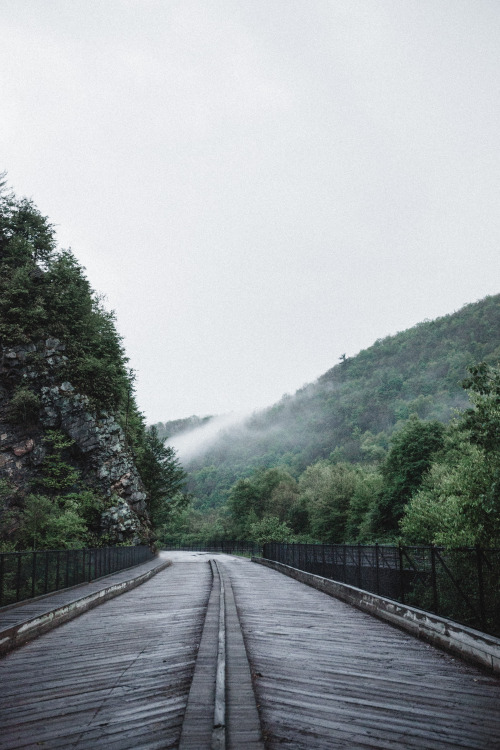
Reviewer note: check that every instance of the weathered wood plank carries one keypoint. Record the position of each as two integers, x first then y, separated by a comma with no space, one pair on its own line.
328,675
325,675
118,676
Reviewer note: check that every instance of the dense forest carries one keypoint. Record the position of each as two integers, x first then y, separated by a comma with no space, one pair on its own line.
63,363
385,445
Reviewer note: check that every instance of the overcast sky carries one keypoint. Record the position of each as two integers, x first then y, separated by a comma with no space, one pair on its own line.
259,186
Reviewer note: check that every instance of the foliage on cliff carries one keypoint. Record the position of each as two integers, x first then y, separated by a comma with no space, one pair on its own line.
44,292
68,355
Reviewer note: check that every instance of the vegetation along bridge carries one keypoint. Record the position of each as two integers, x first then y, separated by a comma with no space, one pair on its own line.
214,651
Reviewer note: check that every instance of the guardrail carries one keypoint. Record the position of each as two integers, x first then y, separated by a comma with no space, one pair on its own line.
24,575
230,547
460,584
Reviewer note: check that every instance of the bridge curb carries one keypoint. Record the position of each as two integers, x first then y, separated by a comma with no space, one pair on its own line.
471,645
19,634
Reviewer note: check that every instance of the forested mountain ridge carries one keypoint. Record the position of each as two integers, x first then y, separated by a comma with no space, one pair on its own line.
352,409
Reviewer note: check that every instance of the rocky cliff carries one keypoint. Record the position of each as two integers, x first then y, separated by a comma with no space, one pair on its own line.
35,372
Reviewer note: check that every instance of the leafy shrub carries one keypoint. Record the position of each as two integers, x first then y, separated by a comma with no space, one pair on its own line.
24,406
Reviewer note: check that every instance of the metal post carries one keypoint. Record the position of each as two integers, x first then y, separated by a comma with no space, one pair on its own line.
57,571
323,566
33,574
360,582
435,601
83,565
46,585
1,578
18,581
67,569
401,574
480,580
377,580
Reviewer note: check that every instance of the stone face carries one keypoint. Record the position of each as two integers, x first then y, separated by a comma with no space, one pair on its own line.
121,522
100,451
23,448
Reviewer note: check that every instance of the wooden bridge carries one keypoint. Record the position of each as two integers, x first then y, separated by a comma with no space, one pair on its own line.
217,652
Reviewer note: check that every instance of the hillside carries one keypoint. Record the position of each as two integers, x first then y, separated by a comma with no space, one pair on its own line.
77,465
352,409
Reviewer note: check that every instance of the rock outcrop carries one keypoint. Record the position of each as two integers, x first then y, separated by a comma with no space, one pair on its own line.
99,451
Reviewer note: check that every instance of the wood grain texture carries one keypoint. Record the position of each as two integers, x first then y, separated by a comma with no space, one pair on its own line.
325,675
116,677
330,676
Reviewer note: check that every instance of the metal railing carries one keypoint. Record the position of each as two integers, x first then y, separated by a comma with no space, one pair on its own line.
229,547
24,575
460,584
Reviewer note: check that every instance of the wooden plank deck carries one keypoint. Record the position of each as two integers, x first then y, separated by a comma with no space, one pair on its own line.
23,621
325,675
330,676
116,677
221,712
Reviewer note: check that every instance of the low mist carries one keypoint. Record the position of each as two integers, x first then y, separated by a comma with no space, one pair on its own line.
193,443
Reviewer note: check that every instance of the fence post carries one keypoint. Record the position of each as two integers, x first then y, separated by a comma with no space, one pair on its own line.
360,582
401,574
66,579
57,570
46,584
482,608
1,578
18,576
33,574
377,580
323,567
435,600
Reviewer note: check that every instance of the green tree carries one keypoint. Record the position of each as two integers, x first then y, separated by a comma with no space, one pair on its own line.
327,491
363,504
24,406
459,501
270,529
264,493
483,420
410,457
163,477
57,475
47,524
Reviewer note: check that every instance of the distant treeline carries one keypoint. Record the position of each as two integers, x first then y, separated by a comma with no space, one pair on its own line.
176,426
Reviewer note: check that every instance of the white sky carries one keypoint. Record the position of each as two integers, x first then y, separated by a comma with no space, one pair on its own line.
259,186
